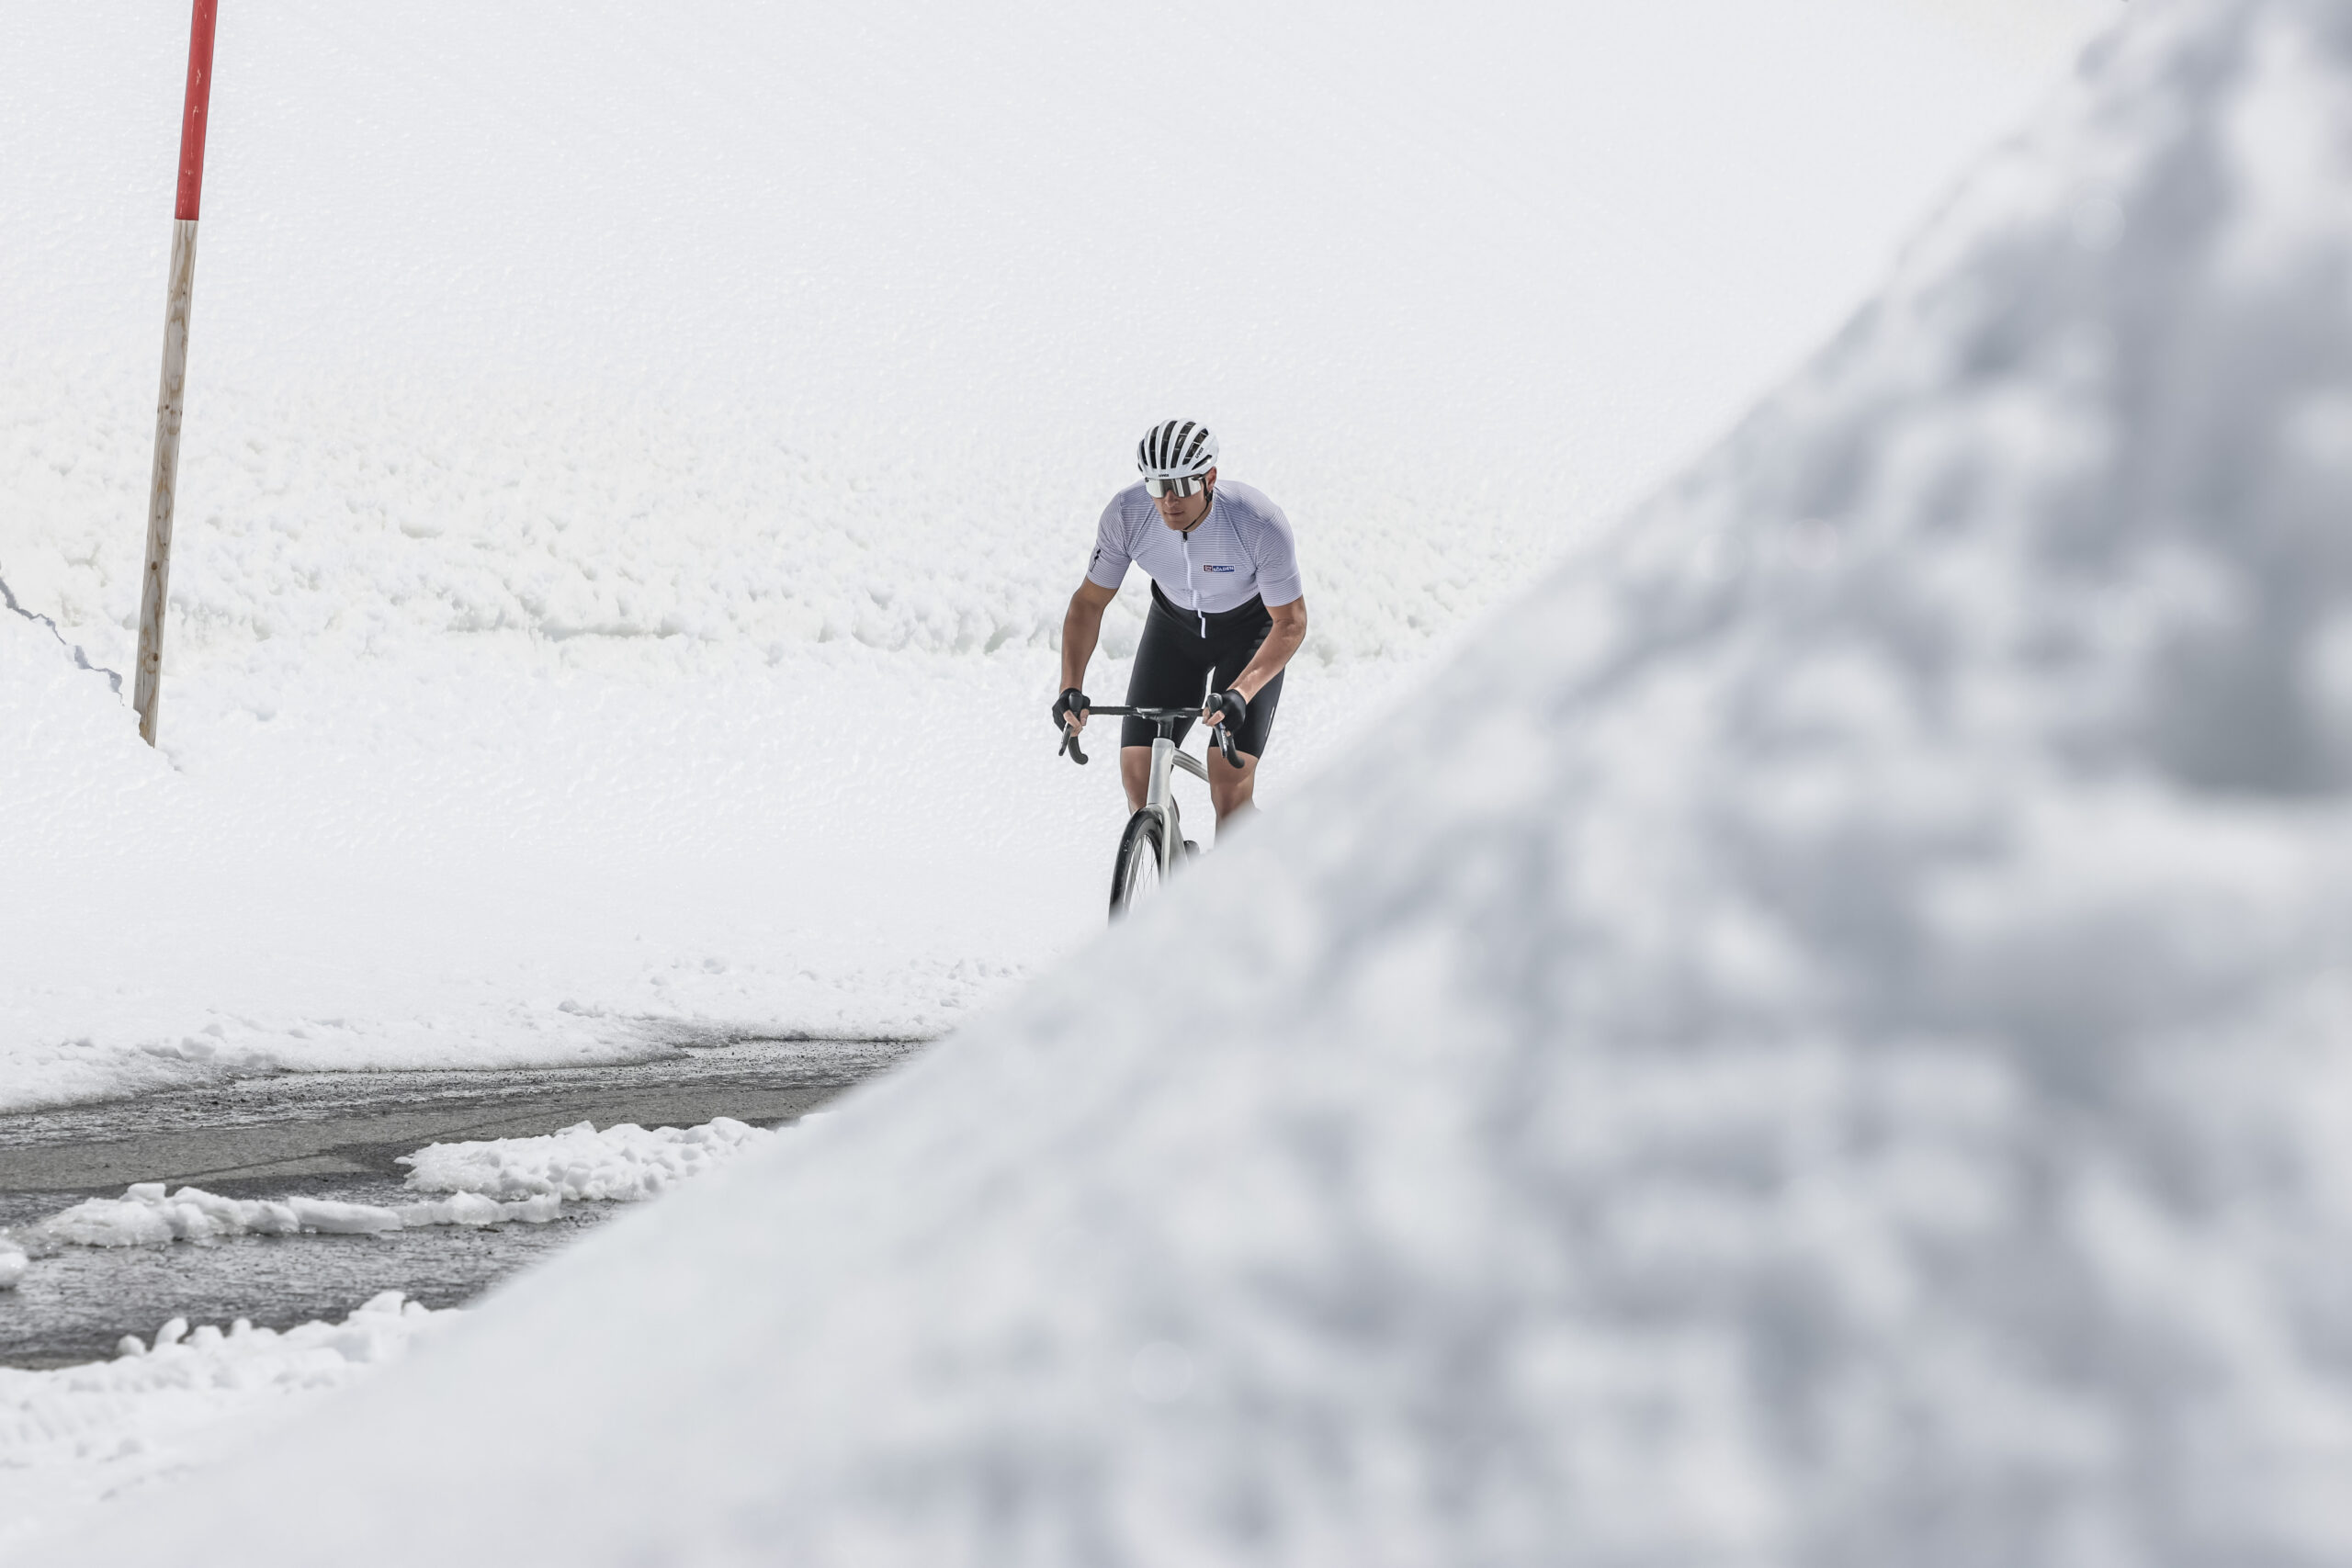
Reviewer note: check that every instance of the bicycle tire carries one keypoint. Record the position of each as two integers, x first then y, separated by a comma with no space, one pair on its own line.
1135,873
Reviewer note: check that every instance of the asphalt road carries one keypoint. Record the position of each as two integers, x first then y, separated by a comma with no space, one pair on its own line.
338,1135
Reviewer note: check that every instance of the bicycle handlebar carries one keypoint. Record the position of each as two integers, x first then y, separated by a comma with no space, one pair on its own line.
1159,716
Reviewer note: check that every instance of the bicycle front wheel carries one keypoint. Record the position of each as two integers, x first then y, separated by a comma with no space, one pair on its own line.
1136,875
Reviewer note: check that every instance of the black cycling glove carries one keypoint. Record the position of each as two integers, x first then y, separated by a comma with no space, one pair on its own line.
1072,700
1230,705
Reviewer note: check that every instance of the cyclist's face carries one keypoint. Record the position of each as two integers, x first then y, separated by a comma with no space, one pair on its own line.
1183,511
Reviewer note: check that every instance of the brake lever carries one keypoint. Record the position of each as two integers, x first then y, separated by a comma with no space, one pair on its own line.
1069,744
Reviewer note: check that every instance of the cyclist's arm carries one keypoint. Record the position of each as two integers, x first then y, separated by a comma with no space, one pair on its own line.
1082,628
1289,631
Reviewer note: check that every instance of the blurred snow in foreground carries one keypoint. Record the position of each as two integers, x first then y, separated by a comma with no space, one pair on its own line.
1844,1055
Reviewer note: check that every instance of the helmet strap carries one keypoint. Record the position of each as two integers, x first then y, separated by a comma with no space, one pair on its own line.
1208,495
1208,504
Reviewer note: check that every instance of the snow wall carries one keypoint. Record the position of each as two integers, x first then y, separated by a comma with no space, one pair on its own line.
1835,1052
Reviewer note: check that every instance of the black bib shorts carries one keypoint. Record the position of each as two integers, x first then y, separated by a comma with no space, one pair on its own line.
1178,663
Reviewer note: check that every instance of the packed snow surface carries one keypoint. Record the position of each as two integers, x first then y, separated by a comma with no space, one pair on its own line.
1844,1057
636,461
72,1436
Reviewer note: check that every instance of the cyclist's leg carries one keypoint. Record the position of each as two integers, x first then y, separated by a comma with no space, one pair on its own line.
1232,789
1232,785
1135,772
1171,671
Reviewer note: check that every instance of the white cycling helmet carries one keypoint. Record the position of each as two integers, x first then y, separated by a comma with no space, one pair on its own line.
1179,449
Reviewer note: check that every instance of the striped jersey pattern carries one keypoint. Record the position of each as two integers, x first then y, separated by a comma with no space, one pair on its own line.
1241,550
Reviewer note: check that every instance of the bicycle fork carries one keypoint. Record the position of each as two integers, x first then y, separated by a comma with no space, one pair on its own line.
1165,760
1159,797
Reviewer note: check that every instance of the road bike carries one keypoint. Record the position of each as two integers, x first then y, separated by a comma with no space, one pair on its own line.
1154,843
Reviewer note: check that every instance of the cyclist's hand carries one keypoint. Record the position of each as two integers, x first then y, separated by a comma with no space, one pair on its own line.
1069,711
1225,708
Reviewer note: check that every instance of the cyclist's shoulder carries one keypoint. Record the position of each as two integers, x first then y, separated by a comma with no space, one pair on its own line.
1251,507
1128,507
1129,502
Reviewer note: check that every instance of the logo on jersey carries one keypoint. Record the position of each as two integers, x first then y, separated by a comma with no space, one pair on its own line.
1216,569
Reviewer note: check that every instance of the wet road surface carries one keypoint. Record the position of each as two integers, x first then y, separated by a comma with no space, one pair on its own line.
337,1136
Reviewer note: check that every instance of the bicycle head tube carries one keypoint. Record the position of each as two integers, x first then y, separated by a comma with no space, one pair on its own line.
1163,763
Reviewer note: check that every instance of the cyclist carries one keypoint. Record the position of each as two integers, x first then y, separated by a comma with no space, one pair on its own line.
1228,610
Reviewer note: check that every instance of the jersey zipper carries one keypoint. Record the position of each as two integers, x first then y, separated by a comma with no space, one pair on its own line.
1192,578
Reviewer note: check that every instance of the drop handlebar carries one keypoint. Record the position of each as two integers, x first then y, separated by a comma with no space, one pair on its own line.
1165,718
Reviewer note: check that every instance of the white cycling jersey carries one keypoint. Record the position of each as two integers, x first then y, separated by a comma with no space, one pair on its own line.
1241,550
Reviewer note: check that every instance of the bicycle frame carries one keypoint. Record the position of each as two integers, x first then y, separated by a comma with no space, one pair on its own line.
1166,758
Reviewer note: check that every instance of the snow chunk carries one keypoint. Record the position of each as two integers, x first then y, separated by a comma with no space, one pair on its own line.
144,1217
494,1183
623,1164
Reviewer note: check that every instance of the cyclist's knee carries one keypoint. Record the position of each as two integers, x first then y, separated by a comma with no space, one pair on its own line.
1135,772
1230,788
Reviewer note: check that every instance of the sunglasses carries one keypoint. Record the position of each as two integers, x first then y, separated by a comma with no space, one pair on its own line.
1158,488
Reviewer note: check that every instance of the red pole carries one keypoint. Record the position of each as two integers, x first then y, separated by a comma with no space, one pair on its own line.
179,298
200,101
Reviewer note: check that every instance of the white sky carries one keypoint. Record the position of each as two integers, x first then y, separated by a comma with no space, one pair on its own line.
1490,226
2027,34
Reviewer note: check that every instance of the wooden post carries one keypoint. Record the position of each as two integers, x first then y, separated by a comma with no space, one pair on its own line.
178,300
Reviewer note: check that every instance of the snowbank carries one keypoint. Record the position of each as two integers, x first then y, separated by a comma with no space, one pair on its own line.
632,624
1844,1057
70,1436
623,1164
